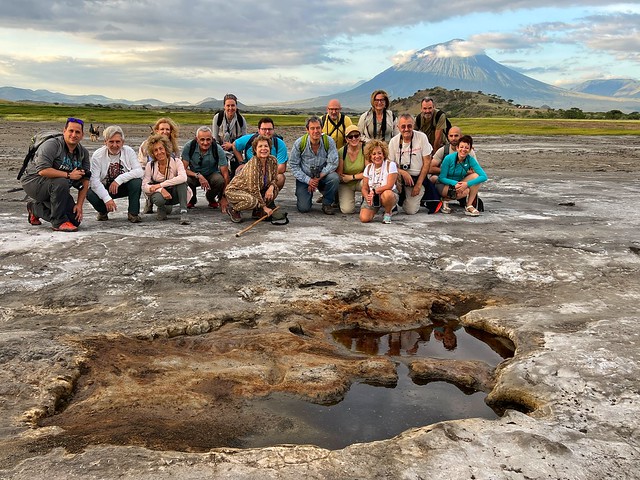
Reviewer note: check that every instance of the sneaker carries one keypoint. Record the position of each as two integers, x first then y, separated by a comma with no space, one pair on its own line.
33,220
103,217
134,218
148,207
214,204
327,210
191,205
394,210
184,220
321,199
386,218
65,227
162,213
445,207
236,217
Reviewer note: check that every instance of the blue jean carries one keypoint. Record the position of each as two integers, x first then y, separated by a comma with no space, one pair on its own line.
328,186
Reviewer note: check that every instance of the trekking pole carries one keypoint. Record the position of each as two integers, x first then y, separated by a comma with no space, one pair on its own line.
256,222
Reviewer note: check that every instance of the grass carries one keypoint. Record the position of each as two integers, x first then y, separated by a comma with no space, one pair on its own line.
10,111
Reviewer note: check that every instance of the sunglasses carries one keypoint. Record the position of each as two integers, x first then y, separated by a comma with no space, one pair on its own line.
75,120
351,137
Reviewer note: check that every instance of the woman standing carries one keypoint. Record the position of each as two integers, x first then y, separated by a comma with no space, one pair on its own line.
351,165
461,175
254,187
379,182
228,125
378,122
165,179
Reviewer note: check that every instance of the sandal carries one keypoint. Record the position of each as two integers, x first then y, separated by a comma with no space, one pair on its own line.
471,211
445,207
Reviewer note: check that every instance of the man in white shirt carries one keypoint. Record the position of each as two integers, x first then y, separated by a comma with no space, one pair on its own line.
411,150
115,173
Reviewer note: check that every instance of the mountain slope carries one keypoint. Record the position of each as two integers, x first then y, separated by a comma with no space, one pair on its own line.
24,94
612,87
427,68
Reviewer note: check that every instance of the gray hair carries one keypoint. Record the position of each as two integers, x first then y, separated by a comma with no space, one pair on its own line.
112,130
428,99
204,128
407,116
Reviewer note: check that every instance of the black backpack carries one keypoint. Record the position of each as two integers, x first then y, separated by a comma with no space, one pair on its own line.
437,116
194,145
37,140
220,114
337,126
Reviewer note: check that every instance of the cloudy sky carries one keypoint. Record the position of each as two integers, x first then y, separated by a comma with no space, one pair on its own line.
279,50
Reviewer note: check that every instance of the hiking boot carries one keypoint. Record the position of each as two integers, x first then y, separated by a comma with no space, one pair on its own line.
236,217
214,204
103,217
65,227
445,207
327,210
386,218
184,220
33,220
148,207
162,213
134,218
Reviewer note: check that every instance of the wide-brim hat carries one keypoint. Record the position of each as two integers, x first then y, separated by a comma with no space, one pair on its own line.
351,129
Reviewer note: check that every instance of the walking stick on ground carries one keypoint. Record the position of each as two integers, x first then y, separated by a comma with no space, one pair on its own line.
256,222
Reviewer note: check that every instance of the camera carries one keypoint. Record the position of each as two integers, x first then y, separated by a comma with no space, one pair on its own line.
376,200
405,166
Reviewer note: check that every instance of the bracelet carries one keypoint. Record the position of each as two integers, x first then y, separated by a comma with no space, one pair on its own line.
354,177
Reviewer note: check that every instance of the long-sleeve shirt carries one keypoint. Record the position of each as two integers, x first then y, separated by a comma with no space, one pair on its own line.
152,175
306,165
100,162
451,171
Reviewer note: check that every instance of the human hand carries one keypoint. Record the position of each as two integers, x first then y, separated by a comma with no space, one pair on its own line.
77,209
165,194
204,184
268,195
113,188
408,180
111,206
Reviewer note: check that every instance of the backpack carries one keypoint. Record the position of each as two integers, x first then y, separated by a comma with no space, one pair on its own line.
337,126
253,137
194,144
220,114
37,140
305,139
437,116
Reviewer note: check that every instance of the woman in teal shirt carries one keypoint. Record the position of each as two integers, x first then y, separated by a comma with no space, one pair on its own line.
461,175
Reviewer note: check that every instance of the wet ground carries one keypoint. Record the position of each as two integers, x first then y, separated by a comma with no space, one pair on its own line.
176,319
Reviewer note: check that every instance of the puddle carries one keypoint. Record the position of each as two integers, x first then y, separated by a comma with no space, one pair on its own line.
445,341
369,413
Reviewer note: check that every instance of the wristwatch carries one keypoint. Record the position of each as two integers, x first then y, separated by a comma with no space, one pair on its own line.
68,175
197,174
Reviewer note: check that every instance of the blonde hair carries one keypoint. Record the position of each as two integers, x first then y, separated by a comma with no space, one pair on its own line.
373,144
173,136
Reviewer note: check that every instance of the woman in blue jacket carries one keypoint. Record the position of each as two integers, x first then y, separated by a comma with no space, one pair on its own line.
461,175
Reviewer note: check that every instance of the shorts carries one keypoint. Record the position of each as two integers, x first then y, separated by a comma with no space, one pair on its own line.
366,206
451,192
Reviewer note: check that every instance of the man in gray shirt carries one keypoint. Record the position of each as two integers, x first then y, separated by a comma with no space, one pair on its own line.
59,164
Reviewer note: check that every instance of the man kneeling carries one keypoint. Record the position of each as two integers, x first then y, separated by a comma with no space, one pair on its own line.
115,173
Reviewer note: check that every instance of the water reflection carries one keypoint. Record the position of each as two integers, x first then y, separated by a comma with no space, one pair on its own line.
447,340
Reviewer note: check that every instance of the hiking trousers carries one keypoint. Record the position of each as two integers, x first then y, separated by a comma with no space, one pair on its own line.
52,199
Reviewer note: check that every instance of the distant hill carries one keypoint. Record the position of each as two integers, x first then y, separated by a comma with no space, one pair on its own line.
613,87
23,94
427,69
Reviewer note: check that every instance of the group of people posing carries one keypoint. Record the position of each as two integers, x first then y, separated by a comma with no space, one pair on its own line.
391,161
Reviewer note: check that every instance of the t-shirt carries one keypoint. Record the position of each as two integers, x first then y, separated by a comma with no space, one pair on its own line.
379,178
409,156
282,155
204,164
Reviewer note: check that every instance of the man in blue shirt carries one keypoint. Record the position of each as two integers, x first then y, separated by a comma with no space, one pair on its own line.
314,159
243,152
206,166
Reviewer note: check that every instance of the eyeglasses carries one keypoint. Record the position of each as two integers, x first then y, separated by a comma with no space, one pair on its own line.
266,129
75,120
378,100
351,137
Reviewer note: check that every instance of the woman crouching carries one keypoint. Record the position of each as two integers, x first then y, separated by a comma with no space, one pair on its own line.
378,182
165,179
254,187
461,175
